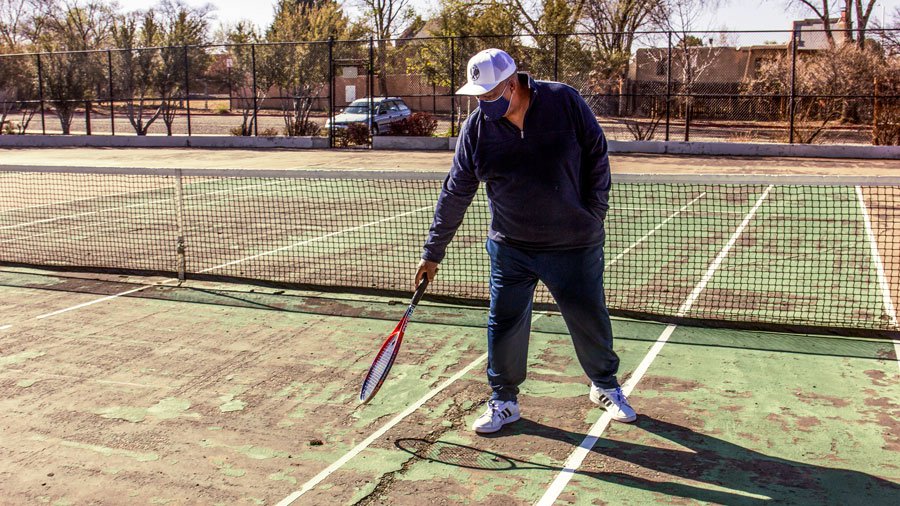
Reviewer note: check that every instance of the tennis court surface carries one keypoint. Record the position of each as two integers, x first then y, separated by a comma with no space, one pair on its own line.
181,336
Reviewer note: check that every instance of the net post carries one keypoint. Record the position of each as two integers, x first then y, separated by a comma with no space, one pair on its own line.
179,213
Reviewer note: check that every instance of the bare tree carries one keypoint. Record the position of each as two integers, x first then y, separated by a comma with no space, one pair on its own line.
822,10
613,24
890,33
241,38
821,78
17,82
72,29
184,29
886,113
690,58
863,14
549,24
137,68
22,21
386,19
15,17
305,66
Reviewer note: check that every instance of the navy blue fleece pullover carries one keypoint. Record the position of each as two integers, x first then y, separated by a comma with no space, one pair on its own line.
547,184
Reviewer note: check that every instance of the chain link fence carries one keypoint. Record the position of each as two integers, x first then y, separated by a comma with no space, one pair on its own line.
801,86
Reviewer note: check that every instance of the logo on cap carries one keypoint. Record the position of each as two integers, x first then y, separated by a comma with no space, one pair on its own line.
475,72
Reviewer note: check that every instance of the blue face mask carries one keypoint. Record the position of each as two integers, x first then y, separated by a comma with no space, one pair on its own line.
495,109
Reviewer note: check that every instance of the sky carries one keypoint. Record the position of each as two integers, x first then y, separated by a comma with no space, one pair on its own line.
732,15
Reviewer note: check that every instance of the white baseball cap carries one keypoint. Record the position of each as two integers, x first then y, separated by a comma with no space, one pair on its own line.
486,70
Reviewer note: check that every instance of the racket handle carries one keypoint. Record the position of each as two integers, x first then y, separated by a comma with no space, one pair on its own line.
420,290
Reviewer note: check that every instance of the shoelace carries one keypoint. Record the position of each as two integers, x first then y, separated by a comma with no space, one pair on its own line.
619,397
494,408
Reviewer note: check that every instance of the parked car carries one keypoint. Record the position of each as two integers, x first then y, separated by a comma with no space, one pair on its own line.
387,111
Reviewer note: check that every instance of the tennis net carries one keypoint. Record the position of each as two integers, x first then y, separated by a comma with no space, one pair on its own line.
801,252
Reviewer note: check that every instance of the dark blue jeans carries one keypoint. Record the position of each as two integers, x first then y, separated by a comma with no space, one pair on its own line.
575,279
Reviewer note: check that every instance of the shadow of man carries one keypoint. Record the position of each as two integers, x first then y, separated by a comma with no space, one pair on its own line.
706,468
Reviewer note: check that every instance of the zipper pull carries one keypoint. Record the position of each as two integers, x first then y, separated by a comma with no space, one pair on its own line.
523,133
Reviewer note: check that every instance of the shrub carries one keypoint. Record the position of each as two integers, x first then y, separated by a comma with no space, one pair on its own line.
417,124
241,131
310,128
356,134
886,117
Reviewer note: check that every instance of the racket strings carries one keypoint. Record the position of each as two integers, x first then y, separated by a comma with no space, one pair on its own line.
379,368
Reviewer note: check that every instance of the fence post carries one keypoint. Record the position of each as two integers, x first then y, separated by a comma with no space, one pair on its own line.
187,89
87,117
112,109
371,85
875,111
793,84
330,92
255,99
556,57
452,86
668,86
40,76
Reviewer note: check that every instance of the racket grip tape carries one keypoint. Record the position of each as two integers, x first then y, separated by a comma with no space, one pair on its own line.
420,290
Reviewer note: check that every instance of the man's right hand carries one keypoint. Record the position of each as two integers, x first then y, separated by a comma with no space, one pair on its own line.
426,268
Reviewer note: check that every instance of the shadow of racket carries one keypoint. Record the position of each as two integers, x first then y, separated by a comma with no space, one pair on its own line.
459,455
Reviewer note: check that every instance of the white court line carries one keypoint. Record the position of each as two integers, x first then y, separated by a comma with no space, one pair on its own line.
876,258
655,229
251,257
4,327
315,480
879,268
138,204
104,226
664,210
322,237
96,197
91,303
573,462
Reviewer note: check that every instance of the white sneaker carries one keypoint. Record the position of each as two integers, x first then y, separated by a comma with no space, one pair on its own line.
497,414
614,401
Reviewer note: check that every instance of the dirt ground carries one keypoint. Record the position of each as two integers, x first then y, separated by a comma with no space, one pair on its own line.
438,161
224,394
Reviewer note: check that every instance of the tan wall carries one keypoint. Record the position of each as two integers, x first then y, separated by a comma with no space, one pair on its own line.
406,87
712,64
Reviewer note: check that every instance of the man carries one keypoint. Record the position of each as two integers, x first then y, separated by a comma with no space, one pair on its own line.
543,158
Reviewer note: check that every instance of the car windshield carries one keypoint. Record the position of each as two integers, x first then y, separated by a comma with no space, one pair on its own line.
357,109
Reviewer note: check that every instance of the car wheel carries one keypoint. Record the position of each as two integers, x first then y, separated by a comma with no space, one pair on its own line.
375,130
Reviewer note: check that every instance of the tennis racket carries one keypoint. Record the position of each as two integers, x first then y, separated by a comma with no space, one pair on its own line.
388,352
